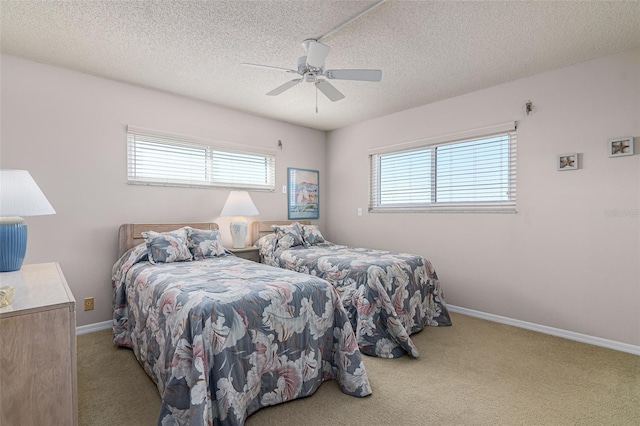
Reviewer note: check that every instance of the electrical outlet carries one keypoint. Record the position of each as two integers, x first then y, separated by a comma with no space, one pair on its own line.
88,304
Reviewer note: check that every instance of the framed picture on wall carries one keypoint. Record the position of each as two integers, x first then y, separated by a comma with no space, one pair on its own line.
620,147
567,161
303,195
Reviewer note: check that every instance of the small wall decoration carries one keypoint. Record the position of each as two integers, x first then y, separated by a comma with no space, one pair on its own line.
620,147
567,161
303,194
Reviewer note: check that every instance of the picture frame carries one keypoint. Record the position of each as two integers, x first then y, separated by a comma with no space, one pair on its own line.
303,193
567,161
620,147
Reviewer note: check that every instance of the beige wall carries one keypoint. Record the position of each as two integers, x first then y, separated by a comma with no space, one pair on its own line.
560,261
68,130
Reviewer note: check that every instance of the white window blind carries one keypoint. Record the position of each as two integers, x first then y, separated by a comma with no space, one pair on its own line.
172,161
474,174
405,178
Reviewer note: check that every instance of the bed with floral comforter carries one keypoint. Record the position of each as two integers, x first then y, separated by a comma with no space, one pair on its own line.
387,295
223,337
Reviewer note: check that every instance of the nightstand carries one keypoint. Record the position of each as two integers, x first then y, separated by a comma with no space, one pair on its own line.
249,253
38,350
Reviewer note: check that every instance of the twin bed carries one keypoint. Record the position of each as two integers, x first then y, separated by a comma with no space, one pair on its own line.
387,295
223,337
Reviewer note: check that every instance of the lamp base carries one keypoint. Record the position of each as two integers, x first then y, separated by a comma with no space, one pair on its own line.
238,233
13,243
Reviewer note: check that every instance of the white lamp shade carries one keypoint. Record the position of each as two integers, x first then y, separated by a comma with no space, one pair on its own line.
239,203
21,196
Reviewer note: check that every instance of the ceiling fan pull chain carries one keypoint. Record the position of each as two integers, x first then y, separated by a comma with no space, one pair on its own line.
316,97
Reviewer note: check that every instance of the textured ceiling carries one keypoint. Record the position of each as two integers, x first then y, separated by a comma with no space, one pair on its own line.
427,50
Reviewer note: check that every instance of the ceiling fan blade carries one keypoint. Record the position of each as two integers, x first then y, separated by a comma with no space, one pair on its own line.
329,91
359,75
269,67
316,54
288,85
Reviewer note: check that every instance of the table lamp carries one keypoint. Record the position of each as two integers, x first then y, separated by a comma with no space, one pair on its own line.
19,196
239,204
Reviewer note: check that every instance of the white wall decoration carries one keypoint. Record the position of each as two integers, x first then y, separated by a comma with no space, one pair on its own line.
620,147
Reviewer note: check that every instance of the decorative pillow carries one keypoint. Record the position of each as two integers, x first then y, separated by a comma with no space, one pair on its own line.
311,235
288,235
204,243
167,247
267,243
266,246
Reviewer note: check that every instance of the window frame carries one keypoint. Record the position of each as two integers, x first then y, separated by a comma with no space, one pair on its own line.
211,148
432,144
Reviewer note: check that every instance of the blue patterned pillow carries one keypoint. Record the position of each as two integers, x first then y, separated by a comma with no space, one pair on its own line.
204,243
288,235
267,243
311,235
266,247
167,247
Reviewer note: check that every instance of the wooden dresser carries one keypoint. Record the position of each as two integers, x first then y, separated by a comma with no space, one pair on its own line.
38,376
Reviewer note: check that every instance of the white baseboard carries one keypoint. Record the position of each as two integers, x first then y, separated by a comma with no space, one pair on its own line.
90,328
597,341
584,338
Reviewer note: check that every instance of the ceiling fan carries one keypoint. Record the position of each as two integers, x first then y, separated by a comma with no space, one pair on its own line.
310,68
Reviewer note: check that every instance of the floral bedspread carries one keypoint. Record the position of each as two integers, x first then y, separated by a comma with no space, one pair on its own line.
388,295
224,337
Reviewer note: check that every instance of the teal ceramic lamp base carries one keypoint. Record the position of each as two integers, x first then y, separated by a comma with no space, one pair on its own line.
13,243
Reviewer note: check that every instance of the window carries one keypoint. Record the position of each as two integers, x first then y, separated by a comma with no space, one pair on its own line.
155,159
470,174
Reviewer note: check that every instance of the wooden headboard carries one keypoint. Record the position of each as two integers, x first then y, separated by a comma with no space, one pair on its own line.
260,229
130,235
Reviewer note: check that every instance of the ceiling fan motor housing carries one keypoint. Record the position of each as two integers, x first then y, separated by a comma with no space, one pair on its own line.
309,74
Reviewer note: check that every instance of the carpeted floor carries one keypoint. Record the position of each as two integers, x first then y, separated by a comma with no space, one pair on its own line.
473,373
